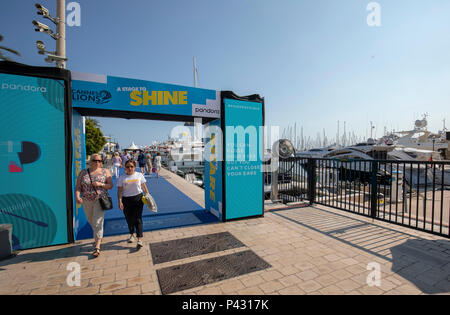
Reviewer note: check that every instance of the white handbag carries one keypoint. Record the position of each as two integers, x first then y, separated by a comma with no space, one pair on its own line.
150,202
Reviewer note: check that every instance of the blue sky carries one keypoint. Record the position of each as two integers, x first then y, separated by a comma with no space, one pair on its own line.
314,62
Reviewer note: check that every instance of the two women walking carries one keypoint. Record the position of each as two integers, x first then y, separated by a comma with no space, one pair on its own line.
93,182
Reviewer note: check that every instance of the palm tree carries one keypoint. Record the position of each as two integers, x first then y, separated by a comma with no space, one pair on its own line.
7,49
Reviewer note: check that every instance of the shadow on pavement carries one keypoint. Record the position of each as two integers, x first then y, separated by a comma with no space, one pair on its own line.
425,263
71,251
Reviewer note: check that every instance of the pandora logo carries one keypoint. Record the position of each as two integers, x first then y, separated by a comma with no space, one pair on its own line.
31,88
207,110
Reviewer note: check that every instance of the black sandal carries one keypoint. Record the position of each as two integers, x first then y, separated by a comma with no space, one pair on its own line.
96,252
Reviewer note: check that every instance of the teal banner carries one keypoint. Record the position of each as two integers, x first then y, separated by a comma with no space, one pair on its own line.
114,93
32,160
243,158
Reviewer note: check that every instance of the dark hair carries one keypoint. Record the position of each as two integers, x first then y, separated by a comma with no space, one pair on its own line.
130,161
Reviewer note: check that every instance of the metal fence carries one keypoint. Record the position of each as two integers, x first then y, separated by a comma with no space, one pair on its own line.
415,194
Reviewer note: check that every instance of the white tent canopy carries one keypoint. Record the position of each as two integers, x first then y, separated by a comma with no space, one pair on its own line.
133,146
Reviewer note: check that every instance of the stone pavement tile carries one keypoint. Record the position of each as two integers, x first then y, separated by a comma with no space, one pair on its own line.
128,291
150,287
8,289
126,275
251,291
49,290
149,271
318,261
356,269
433,276
271,258
323,269
315,253
231,285
289,261
408,289
393,292
138,280
92,274
353,293
415,269
252,280
304,265
336,265
114,270
443,285
102,280
307,275
348,285
210,291
138,266
293,290
314,293
394,279
326,280
105,265
387,285
309,286
366,290
290,280
83,291
331,290
65,287
341,274
29,286
362,278
113,286
271,275
58,280
24,277
271,286
332,257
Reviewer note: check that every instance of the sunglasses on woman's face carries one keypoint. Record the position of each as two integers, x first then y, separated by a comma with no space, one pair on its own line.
97,161
129,166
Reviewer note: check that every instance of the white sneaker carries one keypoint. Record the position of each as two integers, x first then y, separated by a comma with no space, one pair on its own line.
131,239
139,244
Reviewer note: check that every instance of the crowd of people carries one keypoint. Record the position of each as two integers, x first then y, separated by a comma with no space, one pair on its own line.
147,162
94,182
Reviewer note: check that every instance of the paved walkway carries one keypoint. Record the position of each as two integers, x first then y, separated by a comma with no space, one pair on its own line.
312,250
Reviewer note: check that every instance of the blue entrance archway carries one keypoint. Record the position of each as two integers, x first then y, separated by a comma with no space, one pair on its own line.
43,113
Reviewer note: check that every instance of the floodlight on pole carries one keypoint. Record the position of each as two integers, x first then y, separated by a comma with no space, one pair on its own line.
59,56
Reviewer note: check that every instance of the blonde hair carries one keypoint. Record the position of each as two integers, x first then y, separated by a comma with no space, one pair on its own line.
94,155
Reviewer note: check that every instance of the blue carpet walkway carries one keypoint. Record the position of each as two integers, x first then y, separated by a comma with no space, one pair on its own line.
175,209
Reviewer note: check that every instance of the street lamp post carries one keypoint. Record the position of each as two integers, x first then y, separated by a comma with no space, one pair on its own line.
61,30
58,56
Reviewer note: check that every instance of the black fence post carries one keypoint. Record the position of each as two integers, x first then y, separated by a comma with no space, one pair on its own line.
311,170
374,190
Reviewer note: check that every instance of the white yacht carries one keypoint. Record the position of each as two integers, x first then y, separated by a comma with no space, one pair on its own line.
316,152
422,139
362,151
412,154
185,158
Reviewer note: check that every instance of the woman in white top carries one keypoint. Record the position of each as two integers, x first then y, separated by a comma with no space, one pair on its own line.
129,192
157,163
117,162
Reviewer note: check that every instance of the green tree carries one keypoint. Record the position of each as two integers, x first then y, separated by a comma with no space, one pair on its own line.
95,140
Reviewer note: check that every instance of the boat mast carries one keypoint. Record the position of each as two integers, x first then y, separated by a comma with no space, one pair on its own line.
195,71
